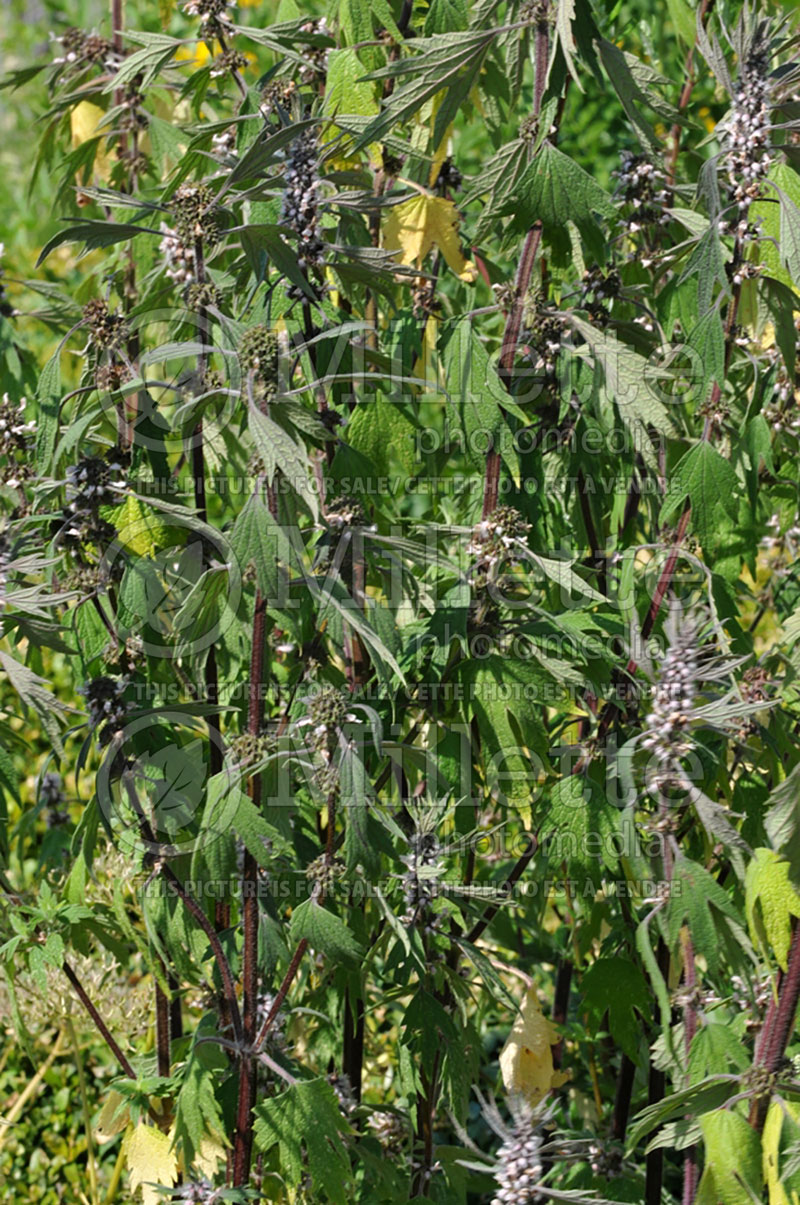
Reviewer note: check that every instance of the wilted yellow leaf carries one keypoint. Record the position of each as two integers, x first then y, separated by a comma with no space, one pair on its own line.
150,1161
526,1060
110,1123
417,225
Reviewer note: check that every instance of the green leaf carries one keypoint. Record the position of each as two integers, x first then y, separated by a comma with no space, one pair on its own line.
93,234
555,190
306,1120
777,248
198,1115
579,824
324,932
709,481
381,431
258,540
708,340
31,689
707,263
280,452
48,400
699,899
770,904
737,1180
617,986
782,821
700,1099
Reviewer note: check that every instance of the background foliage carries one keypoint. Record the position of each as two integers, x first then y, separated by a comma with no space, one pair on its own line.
398,476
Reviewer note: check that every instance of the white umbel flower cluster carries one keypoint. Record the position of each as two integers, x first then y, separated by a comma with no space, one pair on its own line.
519,1165
747,130
672,700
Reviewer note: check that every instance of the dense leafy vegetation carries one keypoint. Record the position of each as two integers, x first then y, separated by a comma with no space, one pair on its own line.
398,475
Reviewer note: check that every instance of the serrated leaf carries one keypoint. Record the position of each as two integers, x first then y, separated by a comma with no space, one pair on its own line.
150,1160
781,1129
48,401
770,903
710,483
737,1180
139,528
414,227
617,986
380,430
707,338
698,899
324,932
279,451
306,1121
555,190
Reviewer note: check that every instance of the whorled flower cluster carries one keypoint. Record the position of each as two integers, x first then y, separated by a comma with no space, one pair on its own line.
108,330
315,65
80,50
541,336
15,437
598,290
107,707
747,129
667,723
420,881
751,996
51,794
496,538
259,355
299,206
199,1192
178,259
390,1129
518,1168
210,12
94,482
193,223
640,186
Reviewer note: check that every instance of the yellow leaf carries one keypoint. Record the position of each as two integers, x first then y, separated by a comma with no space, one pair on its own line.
526,1060
414,227
150,1161
770,1148
208,1155
84,120
111,1123
139,529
